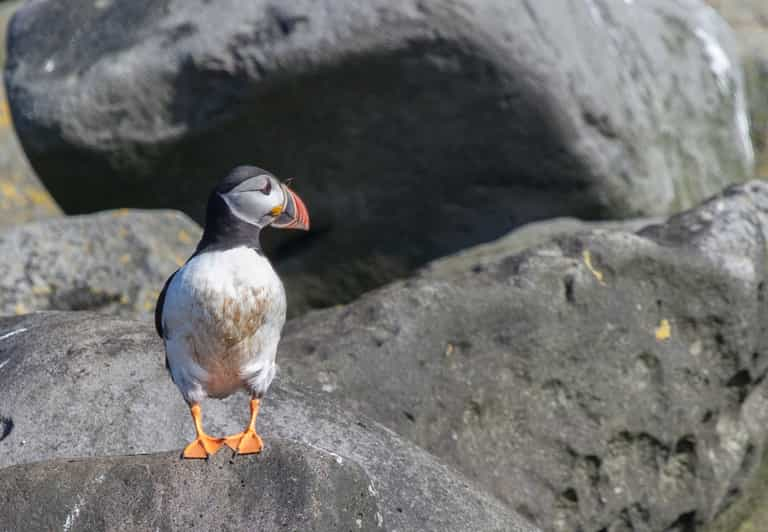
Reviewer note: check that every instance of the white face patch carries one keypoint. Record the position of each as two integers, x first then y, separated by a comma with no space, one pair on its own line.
255,199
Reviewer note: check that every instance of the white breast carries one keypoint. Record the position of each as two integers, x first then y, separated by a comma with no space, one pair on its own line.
222,318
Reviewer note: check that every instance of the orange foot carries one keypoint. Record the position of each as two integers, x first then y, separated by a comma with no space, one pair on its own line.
247,442
204,445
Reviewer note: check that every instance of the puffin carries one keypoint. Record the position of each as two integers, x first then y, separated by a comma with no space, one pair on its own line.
222,313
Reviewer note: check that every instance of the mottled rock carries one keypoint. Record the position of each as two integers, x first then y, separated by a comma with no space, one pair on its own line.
22,196
414,127
619,375
113,261
77,384
749,19
289,486
519,240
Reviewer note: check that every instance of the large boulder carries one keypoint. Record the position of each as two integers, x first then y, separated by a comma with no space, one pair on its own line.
114,261
22,196
414,127
604,381
77,384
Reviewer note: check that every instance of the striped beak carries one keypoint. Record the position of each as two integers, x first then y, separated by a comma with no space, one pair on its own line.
293,214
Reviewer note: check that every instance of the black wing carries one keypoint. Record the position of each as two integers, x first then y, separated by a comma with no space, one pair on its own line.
159,306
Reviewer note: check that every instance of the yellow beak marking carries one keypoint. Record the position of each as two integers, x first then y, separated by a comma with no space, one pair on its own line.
276,211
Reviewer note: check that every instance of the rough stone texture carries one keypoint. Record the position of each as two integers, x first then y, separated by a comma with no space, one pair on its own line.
414,127
289,486
22,196
606,381
749,18
519,240
113,261
84,384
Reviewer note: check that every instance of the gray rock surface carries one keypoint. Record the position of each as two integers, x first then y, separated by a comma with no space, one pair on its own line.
78,384
414,127
606,381
749,19
288,487
519,240
22,196
115,261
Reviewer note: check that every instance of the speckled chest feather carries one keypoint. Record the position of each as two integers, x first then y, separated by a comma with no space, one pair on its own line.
222,317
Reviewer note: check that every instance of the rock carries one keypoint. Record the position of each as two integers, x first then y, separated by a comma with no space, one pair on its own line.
519,240
749,19
415,128
289,487
604,381
22,196
88,385
113,262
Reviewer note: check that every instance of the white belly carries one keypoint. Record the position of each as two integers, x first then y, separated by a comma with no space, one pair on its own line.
222,318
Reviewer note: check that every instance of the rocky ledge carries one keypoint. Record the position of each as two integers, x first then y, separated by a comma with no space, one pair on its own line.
87,386
607,380
113,261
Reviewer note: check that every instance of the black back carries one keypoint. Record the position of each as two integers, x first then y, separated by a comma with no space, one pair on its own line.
159,306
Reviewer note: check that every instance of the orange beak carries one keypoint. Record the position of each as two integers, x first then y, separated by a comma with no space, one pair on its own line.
294,214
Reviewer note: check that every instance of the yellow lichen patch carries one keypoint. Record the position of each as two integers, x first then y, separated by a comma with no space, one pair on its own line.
40,197
41,290
588,261
178,260
663,331
125,259
5,114
124,299
9,190
20,309
120,212
449,350
184,237
149,305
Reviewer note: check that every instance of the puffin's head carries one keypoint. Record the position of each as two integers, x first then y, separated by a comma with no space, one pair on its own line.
256,197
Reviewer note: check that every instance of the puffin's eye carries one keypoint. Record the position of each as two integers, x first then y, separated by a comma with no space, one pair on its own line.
267,188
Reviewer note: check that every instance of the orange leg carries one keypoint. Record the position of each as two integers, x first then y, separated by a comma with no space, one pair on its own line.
247,442
204,445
